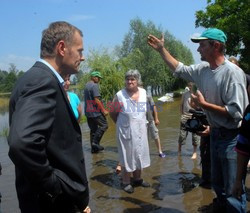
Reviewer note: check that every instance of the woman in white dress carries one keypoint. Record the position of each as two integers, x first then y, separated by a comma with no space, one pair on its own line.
129,114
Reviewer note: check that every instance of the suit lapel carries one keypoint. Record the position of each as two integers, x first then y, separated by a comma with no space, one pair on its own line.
64,94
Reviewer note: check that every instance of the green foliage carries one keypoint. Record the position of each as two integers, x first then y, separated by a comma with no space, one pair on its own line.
136,54
8,79
83,119
111,69
4,132
231,16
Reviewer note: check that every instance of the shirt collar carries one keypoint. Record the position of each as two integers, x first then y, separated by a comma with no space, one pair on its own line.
60,79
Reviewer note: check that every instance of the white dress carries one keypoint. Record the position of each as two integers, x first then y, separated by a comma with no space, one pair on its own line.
131,132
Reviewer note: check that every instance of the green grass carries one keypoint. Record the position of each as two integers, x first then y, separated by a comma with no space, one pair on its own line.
83,119
5,132
4,103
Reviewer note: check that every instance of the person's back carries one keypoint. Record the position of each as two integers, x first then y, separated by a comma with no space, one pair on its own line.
186,103
90,107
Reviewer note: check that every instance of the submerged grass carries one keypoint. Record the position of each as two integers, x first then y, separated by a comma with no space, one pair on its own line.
4,132
4,103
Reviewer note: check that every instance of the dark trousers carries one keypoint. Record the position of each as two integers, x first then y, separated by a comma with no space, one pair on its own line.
205,158
42,204
62,204
98,125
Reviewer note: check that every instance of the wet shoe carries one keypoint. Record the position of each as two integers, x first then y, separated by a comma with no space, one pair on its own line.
162,155
141,182
205,184
96,148
218,207
128,188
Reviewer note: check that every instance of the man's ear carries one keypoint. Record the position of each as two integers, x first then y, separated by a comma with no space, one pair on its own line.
217,45
61,47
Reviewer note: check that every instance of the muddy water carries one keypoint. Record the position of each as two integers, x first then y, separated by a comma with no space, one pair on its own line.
174,180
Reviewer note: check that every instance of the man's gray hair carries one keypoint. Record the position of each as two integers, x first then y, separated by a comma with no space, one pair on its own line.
133,73
56,31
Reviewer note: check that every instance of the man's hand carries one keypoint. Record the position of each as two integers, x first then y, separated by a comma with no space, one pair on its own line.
105,112
157,122
155,42
205,132
198,98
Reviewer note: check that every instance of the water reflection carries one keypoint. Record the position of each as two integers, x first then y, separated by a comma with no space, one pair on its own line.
174,180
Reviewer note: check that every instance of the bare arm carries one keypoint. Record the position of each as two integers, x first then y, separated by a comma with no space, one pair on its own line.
79,109
115,109
155,115
199,100
242,161
158,45
101,107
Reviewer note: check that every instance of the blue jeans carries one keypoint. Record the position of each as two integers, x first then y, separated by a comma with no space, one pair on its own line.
224,167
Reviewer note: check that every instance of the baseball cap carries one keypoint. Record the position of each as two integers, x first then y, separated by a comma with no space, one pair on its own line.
211,33
96,74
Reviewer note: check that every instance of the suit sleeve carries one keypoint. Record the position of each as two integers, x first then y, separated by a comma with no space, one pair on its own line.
30,129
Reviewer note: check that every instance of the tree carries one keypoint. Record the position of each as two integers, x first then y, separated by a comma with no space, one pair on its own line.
136,54
8,79
231,16
111,70
13,68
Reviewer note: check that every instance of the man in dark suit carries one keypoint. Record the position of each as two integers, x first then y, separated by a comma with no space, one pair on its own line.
45,139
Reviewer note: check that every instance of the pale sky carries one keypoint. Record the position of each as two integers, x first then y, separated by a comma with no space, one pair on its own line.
103,23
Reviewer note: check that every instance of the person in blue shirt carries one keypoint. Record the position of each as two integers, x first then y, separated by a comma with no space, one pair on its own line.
73,99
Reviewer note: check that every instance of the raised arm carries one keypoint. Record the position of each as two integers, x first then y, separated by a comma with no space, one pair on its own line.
158,45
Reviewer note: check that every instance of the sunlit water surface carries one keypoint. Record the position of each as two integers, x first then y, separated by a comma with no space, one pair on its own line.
174,180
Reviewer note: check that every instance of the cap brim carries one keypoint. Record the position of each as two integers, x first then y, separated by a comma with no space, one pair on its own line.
96,76
197,40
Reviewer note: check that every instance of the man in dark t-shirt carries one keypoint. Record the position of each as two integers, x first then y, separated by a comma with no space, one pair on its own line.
95,112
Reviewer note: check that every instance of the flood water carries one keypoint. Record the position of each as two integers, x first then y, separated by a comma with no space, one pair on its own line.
174,180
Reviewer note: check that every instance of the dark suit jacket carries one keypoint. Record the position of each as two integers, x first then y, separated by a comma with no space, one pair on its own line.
45,143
